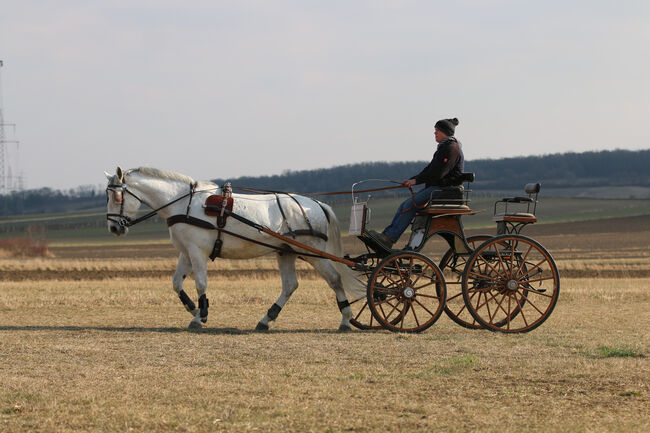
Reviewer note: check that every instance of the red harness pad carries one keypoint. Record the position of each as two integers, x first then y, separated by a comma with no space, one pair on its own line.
214,203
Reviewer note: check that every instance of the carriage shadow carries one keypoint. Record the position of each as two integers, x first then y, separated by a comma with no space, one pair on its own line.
165,330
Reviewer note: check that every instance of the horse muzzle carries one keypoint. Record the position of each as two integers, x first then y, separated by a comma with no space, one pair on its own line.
117,230
118,226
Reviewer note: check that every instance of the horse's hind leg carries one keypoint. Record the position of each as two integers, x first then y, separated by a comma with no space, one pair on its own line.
183,269
328,272
287,265
200,270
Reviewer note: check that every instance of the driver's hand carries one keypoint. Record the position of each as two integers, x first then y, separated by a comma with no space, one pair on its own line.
408,182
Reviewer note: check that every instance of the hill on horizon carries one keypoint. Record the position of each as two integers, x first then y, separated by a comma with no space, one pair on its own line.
607,174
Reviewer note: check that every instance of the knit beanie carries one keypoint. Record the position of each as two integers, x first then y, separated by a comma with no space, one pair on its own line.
447,126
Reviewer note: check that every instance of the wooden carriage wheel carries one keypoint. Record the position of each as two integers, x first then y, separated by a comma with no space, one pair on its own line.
406,292
510,284
452,266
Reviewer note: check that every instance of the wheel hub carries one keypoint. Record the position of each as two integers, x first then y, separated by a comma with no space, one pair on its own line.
408,292
512,285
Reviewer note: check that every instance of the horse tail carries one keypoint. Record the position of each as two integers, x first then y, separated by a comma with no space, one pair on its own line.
353,284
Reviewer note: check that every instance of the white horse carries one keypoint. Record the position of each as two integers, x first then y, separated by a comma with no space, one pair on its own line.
168,194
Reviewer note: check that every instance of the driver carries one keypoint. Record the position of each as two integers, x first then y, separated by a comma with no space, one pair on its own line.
442,179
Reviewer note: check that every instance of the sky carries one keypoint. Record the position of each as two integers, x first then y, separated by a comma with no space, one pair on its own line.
222,89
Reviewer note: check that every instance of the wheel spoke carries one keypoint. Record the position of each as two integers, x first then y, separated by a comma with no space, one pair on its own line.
490,315
402,275
508,315
417,322
529,302
536,266
483,277
512,259
395,308
428,296
384,312
521,311
487,264
423,272
361,311
499,306
388,277
503,266
425,308
537,280
530,290
523,261
426,285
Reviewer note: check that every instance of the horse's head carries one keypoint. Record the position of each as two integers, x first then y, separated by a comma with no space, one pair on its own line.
121,204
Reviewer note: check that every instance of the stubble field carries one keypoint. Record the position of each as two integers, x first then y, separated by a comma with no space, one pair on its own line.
94,339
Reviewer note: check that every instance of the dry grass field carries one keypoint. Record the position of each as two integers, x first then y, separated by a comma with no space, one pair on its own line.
93,339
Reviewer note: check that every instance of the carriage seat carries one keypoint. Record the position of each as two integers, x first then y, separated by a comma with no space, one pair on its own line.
518,215
446,209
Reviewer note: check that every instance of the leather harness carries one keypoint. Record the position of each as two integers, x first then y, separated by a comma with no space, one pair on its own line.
223,211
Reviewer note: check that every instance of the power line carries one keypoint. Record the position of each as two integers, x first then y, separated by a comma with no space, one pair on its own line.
10,177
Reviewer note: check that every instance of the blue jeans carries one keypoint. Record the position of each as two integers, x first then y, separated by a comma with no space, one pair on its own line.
406,210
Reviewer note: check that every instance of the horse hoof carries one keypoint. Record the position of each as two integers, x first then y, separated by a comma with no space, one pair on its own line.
195,325
204,319
261,327
344,328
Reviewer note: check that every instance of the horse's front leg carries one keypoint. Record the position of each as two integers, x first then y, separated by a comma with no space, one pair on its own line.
183,269
200,270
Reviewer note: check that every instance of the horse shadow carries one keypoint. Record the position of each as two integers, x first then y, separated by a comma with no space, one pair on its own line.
164,330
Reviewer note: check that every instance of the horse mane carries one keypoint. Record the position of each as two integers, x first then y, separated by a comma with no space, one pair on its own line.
162,174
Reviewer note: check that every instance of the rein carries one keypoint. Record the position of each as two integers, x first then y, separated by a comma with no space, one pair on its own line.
270,191
126,221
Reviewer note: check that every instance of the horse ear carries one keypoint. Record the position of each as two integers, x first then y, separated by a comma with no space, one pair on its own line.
108,176
119,173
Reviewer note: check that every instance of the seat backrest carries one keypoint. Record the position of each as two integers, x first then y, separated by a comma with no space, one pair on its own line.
533,188
467,177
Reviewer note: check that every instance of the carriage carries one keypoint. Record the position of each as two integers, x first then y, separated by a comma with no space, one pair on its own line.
507,282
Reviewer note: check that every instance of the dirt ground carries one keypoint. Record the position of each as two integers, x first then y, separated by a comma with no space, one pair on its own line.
93,339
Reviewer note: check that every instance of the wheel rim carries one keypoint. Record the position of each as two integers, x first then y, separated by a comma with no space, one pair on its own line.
511,284
406,292
452,266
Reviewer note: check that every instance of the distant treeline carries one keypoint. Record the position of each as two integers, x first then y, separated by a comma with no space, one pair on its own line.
568,170
48,200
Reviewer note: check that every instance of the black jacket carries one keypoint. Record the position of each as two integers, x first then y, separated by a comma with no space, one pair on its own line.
446,166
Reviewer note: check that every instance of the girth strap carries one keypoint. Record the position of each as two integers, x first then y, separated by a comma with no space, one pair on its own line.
187,219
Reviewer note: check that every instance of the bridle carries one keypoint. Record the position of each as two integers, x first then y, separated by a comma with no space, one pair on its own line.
119,218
